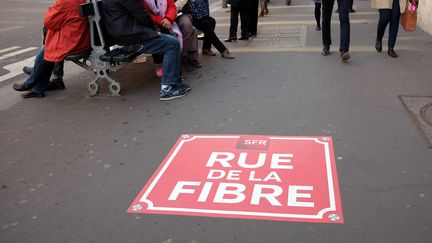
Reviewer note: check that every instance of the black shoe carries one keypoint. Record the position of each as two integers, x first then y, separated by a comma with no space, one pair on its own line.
244,38
21,87
378,45
32,94
325,51
174,91
288,2
56,84
27,70
352,11
392,53
231,39
318,28
345,56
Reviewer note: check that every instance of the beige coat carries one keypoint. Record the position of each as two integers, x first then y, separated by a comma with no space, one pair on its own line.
387,4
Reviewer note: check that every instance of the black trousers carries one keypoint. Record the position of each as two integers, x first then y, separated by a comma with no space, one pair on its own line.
244,19
207,25
327,10
253,17
389,16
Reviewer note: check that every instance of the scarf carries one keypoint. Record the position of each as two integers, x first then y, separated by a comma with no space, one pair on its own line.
159,7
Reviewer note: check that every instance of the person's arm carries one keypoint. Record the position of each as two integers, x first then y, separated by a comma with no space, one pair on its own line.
171,12
157,20
138,12
56,15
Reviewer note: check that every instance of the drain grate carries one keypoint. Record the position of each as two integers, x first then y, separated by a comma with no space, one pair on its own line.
280,36
420,109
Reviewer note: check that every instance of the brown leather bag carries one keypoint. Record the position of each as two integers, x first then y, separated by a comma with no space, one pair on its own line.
408,19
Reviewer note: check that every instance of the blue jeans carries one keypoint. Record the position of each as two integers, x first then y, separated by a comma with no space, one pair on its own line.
327,9
392,16
40,76
169,47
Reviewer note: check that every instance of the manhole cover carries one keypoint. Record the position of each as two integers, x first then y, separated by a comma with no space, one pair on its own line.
420,109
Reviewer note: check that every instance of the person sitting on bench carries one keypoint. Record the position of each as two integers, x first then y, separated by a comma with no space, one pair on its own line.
68,33
129,24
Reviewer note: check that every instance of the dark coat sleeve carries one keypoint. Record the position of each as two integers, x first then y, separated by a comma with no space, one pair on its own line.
136,9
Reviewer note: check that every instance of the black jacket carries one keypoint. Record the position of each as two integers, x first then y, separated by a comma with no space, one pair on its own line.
127,22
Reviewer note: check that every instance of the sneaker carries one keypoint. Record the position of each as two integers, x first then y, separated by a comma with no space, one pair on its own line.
174,91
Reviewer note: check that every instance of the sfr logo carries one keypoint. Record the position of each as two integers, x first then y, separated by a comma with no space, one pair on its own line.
253,142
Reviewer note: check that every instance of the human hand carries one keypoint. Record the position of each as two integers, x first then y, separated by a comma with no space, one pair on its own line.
166,23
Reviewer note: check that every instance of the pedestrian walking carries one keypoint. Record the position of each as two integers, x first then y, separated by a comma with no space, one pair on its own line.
318,14
327,9
389,12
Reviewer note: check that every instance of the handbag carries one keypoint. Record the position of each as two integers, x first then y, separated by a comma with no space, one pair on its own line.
408,19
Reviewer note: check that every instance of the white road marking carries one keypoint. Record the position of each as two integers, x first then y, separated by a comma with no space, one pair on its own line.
17,53
9,49
15,69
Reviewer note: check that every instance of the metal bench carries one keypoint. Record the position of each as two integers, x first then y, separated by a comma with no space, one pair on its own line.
103,56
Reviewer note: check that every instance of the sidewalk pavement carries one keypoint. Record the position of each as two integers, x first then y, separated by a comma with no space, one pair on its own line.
70,165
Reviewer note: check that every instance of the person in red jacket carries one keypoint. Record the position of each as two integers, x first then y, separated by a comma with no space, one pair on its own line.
68,33
163,14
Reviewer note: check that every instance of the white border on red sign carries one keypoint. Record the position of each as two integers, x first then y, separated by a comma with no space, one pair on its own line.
324,141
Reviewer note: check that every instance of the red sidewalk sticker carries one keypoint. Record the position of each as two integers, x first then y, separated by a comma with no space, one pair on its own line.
246,176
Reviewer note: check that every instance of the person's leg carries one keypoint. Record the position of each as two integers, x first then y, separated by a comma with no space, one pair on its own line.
261,8
253,16
190,39
344,6
207,25
58,70
394,24
384,19
233,23
245,25
318,15
351,10
30,82
204,26
327,8
170,47
42,76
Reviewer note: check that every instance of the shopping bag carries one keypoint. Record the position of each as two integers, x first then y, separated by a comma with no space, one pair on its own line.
408,19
